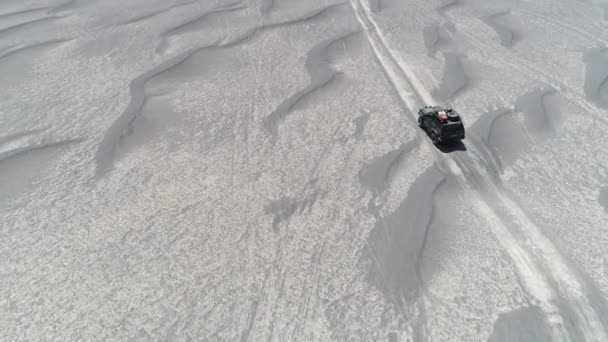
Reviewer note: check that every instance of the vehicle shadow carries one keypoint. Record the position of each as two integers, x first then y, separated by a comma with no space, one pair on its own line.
451,147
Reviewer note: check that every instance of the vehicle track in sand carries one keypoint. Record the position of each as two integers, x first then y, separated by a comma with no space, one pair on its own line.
544,274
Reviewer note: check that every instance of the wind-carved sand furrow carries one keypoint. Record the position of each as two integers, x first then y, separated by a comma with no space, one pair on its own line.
378,174
604,6
603,89
445,5
599,4
436,37
21,48
321,74
481,135
34,10
283,209
360,123
114,136
144,16
397,242
38,9
7,138
196,23
313,14
455,78
24,142
5,155
251,32
506,32
596,76
375,6
63,6
524,324
248,33
120,128
484,125
430,35
538,117
500,138
603,197
16,27
250,321
266,6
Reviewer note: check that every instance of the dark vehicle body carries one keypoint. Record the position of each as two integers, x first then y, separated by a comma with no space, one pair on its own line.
444,125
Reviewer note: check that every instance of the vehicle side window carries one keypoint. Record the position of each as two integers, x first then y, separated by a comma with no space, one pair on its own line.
434,122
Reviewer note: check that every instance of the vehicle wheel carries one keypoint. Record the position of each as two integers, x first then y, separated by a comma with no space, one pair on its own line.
435,138
420,123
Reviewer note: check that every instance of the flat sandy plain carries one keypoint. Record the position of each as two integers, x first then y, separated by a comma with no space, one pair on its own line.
252,170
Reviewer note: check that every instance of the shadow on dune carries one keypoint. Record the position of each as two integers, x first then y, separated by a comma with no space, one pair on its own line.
525,324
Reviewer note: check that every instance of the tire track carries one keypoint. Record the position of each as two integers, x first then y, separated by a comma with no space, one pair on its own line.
543,272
